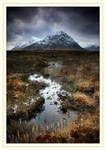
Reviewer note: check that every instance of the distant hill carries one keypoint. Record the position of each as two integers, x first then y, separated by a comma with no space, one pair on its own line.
93,48
60,40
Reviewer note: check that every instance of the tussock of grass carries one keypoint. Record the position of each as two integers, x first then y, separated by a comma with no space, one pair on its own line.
85,86
96,95
23,98
81,102
24,109
81,99
84,130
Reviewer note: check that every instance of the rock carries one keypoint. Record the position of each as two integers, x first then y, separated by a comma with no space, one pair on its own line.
55,103
63,98
63,109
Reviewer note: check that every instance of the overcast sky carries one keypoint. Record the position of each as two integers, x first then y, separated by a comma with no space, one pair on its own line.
25,23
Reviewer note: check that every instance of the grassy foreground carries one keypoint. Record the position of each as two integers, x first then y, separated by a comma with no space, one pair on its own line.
79,75
84,130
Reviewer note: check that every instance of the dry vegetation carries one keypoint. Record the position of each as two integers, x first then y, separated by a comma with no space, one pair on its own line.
80,76
84,130
23,99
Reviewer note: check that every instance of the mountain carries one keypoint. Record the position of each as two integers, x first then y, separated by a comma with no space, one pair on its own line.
61,40
24,44
93,48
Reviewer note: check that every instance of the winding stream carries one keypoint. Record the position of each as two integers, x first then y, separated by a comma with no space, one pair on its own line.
51,113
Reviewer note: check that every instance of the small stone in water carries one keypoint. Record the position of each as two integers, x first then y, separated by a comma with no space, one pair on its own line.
55,103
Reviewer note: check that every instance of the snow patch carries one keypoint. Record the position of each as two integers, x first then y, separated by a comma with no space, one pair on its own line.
29,102
52,90
27,43
15,108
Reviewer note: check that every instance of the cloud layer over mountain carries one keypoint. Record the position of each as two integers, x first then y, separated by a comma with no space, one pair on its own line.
23,23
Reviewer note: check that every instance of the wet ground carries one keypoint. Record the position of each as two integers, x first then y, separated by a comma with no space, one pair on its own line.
52,89
51,113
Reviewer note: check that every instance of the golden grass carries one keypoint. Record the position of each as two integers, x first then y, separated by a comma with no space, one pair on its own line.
82,99
84,130
15,87
19,97
85,85
96,95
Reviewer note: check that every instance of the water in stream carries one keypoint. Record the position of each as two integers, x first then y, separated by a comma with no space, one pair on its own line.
51,113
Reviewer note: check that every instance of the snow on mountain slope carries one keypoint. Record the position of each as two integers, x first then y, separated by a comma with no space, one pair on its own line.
26,43
60,40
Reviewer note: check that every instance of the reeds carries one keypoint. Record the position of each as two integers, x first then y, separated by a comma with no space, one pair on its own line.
84,130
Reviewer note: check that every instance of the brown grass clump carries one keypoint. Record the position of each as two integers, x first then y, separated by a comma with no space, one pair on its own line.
96,85
85,85
71,77
82,99
96,95
84,130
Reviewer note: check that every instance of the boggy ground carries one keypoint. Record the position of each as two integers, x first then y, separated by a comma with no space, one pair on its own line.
79,76
84,130
23,98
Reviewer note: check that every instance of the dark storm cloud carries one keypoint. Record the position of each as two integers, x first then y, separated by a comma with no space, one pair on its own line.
22,13
82,23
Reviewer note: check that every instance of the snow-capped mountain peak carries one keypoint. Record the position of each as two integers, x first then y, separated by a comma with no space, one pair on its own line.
58,37
60,40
